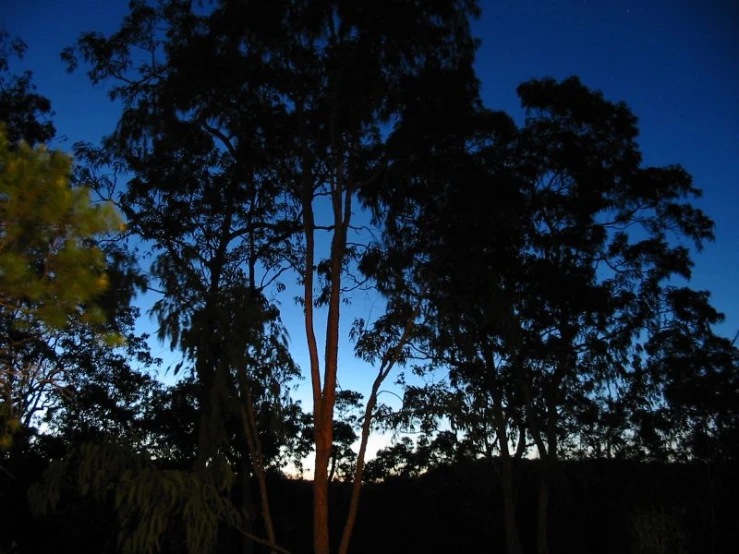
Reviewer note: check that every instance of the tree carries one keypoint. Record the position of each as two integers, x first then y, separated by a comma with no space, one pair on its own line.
348,406
42,323
291,132
690,413
539,305
51,273
444,251
407,459
606,238
206,199
339,151
24,111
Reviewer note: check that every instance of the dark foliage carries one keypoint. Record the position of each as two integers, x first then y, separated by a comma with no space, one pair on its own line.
540,268
25,113
607,506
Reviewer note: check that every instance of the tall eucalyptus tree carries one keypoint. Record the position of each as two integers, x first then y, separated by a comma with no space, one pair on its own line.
548,306
244,125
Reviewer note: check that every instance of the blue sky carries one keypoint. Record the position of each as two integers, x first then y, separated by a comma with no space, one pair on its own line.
676,63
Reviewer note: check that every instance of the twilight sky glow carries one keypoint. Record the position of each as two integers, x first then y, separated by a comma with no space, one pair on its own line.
674,62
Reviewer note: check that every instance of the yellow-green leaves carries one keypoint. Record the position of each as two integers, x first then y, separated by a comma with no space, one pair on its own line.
49,267
51,272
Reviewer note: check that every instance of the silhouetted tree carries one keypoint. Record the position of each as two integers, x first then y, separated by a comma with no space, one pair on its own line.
51,274
348,70
691,412
450,254
606,239
541,305
291,129
207,201
25,113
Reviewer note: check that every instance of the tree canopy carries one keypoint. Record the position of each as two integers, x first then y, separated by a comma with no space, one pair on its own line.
50,271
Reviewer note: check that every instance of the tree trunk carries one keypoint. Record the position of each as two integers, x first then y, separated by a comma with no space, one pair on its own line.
247,503
513,542
542,513
388,362
201,457
209,418
359,469
507,479
547,456
320,498
251,432
324,394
